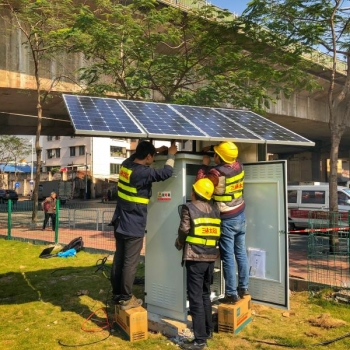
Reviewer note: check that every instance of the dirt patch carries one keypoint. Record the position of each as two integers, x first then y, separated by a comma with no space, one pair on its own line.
326,321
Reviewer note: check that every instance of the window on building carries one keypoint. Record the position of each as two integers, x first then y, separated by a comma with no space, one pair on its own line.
54,153
81,150
72,151
49,138
118,151
50,153
114,169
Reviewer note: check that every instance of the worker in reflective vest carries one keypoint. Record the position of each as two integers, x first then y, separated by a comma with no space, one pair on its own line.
228,178
130,216
198,236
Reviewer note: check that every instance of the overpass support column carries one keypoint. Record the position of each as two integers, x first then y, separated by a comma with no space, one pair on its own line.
316,166
318,163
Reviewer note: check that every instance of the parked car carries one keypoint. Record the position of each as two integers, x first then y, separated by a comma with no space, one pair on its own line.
302,199
5,195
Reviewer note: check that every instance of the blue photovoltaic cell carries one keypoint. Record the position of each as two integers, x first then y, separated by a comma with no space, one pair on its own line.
160,119
261,126
214,124
100,115
107,116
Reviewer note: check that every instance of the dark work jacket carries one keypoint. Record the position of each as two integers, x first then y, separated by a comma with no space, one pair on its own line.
133,216
197,252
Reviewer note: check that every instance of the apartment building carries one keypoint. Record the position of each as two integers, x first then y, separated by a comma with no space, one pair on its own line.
93,163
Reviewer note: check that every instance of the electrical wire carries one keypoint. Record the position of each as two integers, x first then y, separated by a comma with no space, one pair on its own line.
101,266
326,342
105,326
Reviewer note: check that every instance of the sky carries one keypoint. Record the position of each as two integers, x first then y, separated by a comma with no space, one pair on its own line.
236,6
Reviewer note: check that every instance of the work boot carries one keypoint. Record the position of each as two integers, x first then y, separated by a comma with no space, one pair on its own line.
130,304
230,299
242,292
115,299
193,345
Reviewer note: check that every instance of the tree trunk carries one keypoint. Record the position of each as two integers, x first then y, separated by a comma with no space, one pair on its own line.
333,196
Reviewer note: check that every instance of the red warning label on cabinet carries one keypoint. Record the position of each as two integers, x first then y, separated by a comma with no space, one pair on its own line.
164,196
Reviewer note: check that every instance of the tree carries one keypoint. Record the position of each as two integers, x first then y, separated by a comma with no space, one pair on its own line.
201,57
41,24
12,148
315,24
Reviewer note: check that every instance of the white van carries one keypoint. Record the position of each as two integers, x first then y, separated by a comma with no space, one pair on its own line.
304,198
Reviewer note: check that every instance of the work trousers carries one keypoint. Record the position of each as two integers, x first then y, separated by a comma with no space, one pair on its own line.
53,220
125,261
199,276
232,250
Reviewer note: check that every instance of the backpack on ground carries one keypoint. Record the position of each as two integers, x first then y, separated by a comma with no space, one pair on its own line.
76,243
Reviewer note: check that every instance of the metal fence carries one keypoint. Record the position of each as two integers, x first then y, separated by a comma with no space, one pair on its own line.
328,250
86,219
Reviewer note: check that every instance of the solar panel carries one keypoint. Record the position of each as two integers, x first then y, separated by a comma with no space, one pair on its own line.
137,119
101,116
215,125
266,129
159,120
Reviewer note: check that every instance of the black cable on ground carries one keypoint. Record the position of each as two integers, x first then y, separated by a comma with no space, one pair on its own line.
326,342
332,340
101,266
77,345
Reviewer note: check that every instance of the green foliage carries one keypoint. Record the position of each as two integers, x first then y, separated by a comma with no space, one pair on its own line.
304,26
202,57
13,149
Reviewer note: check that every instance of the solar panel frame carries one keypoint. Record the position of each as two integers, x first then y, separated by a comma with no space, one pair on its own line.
270,131
210,122
161,121
99,116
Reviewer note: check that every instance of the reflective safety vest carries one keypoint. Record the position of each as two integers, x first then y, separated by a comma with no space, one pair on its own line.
205,227
233,188
127,192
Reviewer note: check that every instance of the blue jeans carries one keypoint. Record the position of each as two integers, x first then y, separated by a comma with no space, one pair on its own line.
232,250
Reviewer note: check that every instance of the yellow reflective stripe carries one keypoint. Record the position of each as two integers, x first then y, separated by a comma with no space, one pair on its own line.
196,240
133,199
125,174
228,198
230,180
207,231
127,188
207,221
223,198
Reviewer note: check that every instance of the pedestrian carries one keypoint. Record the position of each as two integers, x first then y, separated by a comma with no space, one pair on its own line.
198,236
109,195
130,217
228,179
49,208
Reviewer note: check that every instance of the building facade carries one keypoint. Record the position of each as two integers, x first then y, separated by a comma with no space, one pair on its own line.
93,163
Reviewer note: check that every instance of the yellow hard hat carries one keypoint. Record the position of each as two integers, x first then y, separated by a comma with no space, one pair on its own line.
204,188
227,151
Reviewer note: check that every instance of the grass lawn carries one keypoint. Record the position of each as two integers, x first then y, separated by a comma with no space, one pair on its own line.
59,303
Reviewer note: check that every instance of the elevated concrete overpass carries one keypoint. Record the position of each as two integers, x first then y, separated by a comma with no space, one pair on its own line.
304,113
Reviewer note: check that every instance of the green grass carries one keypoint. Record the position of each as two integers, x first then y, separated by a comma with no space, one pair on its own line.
40,309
